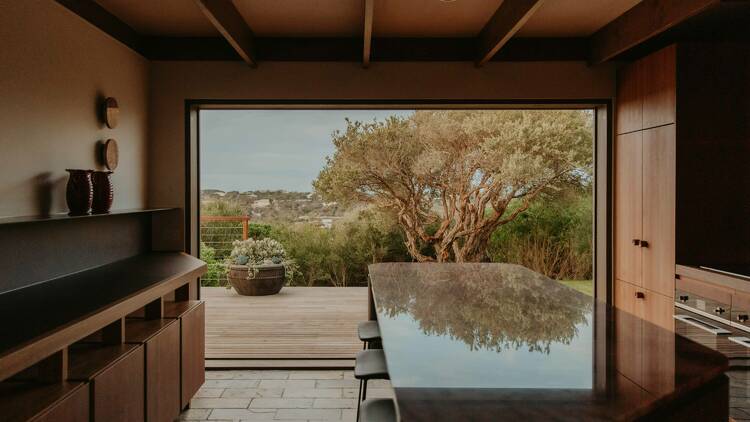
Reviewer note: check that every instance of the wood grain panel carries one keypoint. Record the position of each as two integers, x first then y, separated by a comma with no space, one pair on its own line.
629,102
659,186
118,391
658,345
163,375
193,334
629,336
628,206
74,408
658,87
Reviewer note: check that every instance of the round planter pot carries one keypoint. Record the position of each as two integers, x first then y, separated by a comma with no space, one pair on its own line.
268,280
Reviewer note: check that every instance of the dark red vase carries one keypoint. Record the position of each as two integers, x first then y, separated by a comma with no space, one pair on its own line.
103,192
79,192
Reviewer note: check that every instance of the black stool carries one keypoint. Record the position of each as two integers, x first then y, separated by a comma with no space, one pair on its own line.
368,332
369,365
378,410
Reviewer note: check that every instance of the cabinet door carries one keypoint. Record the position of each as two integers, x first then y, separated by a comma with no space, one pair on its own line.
74,408
658,343
659,209
193,329
163,375
658,76
629,102
628,331
118,391
628,202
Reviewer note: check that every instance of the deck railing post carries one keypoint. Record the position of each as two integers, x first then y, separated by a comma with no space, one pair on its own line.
244,228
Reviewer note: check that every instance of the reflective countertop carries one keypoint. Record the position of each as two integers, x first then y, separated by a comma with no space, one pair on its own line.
502,342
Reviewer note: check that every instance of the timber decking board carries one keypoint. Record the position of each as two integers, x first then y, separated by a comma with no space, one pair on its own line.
297,323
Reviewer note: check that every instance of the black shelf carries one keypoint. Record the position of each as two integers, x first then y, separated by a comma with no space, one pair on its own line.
66,217
31,312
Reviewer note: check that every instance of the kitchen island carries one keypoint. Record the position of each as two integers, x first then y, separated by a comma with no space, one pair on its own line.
497,342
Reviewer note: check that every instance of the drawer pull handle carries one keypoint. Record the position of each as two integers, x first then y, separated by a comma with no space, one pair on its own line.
644,244
684,298
719,310
742,318
741,340
636,242
640,295
695,322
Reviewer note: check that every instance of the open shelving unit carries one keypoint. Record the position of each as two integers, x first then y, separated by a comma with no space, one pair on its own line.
101,342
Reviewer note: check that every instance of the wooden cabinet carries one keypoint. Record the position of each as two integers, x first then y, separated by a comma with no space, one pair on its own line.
629,101
658,82
645,177
646,92
644,337
44,402
161,341
115,374
191,315
628,206
644,212
658,201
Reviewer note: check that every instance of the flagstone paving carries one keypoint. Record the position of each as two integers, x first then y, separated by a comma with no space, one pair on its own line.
279,395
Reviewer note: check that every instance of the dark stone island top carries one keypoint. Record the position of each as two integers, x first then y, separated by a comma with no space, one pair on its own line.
497,342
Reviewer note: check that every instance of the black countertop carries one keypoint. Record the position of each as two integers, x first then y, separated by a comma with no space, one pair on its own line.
31,312
501,342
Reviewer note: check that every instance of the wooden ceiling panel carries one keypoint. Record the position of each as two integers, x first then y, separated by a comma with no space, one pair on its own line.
432,18
573,18
166,18
303,18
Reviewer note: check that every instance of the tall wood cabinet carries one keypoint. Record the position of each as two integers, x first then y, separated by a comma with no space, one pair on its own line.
644,187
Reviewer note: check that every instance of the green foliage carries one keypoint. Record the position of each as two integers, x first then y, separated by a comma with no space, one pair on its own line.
339,256
553,237
458,170
215,266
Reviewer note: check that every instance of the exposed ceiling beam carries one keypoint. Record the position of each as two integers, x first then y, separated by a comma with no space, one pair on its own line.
350,49
369,8
507,20
225,17
110,24
642,22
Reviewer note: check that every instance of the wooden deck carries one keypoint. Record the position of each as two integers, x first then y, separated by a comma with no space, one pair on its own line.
297,323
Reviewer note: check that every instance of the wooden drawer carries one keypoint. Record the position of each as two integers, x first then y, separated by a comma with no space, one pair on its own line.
161,342
74,408
116,377
192,343
44,402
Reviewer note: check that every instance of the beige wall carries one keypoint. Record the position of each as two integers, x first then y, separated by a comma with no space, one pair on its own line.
53,68
174,82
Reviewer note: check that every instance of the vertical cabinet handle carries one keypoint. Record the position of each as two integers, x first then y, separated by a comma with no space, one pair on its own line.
636,242
640,295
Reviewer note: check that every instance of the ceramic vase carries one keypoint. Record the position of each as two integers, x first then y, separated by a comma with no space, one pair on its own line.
79,191
103,192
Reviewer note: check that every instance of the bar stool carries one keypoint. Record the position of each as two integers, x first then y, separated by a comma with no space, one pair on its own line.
368,332
379,410
369,365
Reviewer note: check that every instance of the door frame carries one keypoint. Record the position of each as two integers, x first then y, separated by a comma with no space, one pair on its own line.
603,158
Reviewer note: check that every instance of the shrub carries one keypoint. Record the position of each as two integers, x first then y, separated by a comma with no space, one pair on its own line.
553,237
215,270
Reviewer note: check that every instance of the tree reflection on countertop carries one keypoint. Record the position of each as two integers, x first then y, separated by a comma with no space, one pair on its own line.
487,306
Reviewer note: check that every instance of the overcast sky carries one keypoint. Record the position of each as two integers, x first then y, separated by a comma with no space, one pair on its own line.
270,149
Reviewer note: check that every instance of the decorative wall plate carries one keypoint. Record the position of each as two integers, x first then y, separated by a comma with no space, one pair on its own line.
111,112
110,154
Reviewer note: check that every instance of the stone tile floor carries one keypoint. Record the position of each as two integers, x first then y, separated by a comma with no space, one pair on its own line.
278,395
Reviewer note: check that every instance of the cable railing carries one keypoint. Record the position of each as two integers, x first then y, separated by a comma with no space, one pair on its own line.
217,232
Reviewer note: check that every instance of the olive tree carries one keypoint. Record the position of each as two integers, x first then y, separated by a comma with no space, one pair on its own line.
449,176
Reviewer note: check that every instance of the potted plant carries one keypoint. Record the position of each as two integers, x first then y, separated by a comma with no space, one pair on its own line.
258,267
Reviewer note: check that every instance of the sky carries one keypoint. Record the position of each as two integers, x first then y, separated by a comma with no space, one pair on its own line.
246,150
